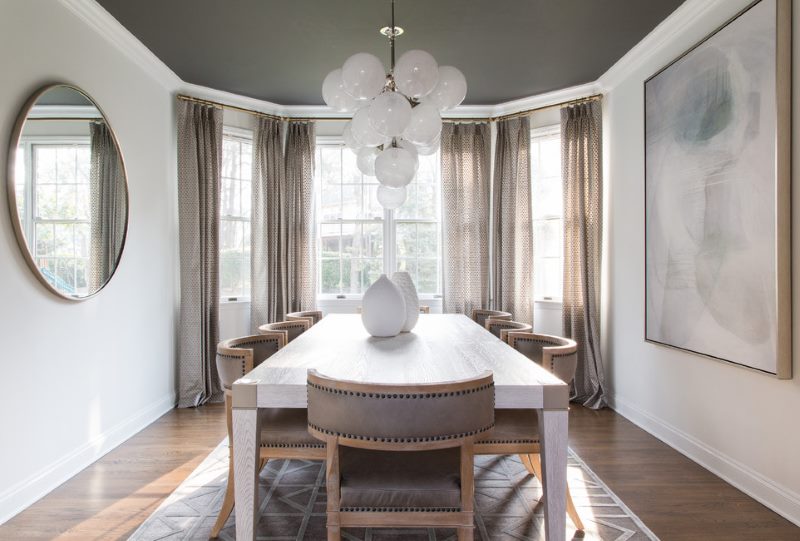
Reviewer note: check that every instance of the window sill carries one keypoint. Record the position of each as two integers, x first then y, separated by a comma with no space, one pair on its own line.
237,300
551,304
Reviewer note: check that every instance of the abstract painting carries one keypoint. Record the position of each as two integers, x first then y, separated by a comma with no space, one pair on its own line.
717,194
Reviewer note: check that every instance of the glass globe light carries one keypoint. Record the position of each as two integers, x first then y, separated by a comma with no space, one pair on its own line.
391,198
363,76
350,140
363,131
416,73
390,113
429,149
394,167
335,95
450,90
412,149
425,125
366,160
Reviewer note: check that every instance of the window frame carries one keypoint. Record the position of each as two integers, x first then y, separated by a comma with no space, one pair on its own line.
30,220
246,136
541,132
390,258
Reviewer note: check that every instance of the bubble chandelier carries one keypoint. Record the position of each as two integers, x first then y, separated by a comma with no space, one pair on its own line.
396,115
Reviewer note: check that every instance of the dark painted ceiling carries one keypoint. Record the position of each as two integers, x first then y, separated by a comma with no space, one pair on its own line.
281,50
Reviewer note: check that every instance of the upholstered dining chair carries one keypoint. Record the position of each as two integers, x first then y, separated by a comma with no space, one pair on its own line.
400,456
501,327
313,316
284,432
517,431
480,315
293,329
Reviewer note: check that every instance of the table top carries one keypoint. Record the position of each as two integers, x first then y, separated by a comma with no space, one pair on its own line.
441,348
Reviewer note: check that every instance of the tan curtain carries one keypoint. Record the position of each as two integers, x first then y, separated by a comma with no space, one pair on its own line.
268,250
512,236
108,206
465,159
299,217
581,151
199,170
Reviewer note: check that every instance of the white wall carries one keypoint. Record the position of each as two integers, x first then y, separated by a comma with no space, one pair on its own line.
740,424
81,377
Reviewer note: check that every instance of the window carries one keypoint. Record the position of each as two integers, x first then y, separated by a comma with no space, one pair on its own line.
358,240
56,209
234,226
418,228
548,212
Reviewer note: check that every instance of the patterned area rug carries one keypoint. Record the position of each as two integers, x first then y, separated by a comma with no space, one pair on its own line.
293,505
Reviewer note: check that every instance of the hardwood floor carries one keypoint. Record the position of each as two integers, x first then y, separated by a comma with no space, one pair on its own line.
675,497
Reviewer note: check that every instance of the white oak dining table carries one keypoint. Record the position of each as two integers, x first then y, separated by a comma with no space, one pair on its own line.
441,348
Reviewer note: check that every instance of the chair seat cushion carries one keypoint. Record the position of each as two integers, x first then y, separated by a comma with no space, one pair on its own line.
410,480
513,426
286,427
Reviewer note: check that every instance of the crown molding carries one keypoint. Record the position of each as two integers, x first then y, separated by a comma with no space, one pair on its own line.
101,21
229,98
547,99
652,43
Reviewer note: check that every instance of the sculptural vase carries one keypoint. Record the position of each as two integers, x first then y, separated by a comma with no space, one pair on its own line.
406,286
383,308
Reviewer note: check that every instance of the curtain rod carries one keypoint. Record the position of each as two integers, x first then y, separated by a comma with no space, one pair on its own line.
509,116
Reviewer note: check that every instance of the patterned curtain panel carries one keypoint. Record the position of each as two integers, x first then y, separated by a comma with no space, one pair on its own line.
199,170
581,151
299,217
512,252
108,205
465,157
268,296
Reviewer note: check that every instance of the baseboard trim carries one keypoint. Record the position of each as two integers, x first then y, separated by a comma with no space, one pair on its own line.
28,491
779,498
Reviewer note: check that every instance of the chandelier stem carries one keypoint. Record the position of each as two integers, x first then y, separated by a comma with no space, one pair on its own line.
391,40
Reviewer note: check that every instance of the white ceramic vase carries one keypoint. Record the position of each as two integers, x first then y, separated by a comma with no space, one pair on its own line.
383,308
405,284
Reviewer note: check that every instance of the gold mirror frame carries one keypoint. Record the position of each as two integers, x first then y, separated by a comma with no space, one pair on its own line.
14,216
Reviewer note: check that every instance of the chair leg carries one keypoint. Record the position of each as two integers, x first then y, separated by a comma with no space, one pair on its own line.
227,503
466,534
334,533
535,468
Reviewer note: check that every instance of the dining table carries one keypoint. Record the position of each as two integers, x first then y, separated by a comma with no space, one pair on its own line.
440,348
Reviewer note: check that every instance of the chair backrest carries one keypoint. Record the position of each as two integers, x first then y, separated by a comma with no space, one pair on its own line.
400,417
238,356
480,316
501,327
558,355
293,328
313,316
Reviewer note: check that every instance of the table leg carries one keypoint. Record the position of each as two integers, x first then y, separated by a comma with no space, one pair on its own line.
245,471
554,426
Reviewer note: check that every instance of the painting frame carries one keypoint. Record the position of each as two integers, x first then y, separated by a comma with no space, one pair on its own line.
781,250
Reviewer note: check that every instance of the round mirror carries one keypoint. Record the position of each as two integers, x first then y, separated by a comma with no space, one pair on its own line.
67,191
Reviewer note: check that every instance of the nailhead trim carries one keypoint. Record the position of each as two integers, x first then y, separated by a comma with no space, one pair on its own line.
294,445
226,356
400,509
401,396
421,439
